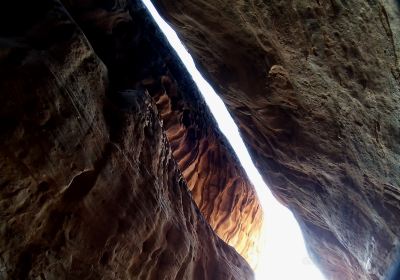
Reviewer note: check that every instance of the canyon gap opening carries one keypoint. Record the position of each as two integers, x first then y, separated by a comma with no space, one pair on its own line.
283,253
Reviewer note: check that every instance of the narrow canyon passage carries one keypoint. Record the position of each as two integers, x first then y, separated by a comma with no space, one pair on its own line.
281,244
318,113
277,158
90,188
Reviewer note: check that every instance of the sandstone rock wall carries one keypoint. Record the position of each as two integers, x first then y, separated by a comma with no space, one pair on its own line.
89,185
126,38
218,184
315,89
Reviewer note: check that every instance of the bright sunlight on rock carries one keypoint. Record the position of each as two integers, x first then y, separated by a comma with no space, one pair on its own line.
281,244
224,139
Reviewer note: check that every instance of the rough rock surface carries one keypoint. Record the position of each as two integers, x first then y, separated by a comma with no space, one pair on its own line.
89,186
315,89
219,186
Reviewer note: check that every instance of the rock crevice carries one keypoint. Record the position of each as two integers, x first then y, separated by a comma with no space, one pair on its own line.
314,89
90,188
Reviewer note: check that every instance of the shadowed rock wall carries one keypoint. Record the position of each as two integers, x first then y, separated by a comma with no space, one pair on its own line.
125,37
89,185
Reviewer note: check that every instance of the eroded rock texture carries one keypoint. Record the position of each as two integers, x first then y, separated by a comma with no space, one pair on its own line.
315,89
218,184
89,185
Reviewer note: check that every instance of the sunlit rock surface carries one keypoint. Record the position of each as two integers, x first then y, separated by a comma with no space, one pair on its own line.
219,186
315,89
89,185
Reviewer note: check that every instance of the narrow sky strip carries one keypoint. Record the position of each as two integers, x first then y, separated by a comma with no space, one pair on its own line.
283,252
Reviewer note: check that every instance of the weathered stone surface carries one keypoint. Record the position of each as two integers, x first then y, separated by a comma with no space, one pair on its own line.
218,184
315,89
89,185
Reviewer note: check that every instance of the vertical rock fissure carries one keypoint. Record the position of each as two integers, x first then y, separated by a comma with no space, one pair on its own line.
274,212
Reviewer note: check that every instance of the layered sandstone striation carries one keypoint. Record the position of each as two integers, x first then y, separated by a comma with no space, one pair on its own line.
90,188
217,182
315,89
124,36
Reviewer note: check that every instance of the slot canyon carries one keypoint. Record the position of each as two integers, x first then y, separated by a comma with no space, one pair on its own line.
113,166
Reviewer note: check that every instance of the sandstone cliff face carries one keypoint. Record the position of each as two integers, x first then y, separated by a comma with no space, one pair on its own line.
218,184
89,186
315,89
